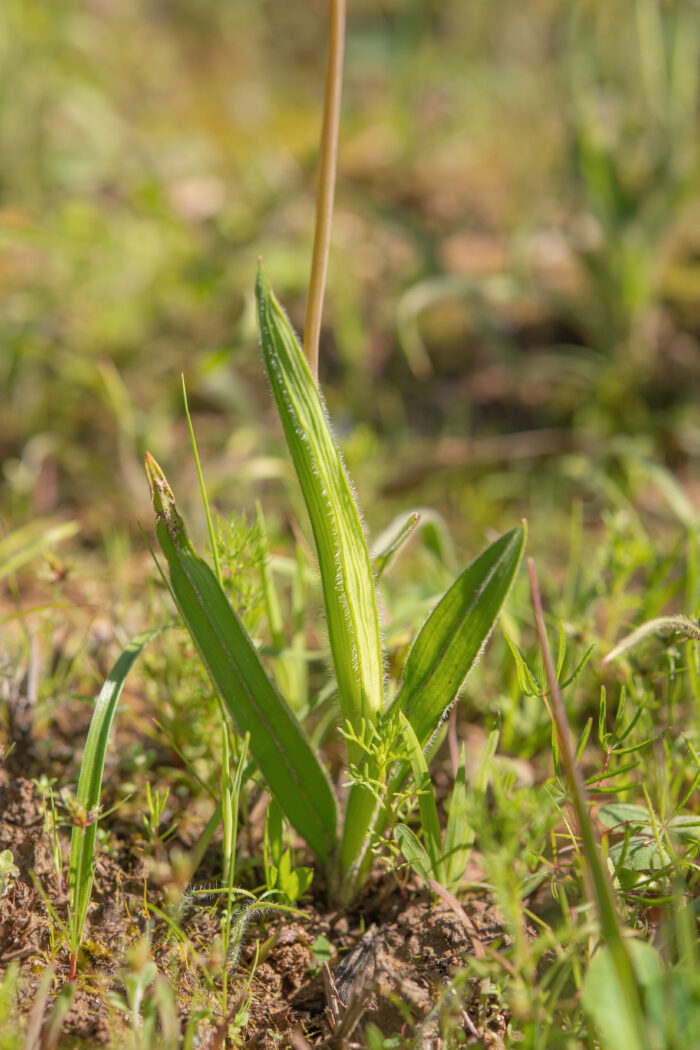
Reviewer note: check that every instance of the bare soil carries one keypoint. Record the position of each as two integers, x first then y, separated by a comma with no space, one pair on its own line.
392,956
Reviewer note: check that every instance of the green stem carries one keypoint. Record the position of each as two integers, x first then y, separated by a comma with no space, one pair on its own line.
600,889
328,163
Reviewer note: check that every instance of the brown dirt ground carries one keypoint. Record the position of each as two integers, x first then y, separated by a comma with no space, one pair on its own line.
394,953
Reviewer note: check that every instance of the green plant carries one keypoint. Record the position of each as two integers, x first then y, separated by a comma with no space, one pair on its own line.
288,881
86,809
443,652
8,870
148,1003
634,153
156,802
439,857
441,657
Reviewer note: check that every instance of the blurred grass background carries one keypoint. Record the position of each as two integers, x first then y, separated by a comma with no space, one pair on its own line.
516,247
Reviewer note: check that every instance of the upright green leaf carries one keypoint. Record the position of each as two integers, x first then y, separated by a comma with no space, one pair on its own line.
82,844
346,572
459,835
414,852
396,534
454,634
277,741
430,821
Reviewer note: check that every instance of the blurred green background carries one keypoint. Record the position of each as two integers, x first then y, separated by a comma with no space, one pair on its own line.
515,270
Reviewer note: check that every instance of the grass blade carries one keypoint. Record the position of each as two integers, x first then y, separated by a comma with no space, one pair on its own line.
82,846
290,671
392,540
346,572
277,741
27,542
413,852
454,634
628,990
459,835
430,821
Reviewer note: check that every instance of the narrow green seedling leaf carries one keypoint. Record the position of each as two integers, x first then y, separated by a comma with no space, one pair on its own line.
430,821
346,572
30,540
277,741
455,633
600,890
392,540
459,835
289,671
413,852
82,846
202,486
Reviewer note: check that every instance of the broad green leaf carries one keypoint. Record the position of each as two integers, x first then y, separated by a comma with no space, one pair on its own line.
455,633
346,572
614,814
82,845
638,853
278,743
413,852
605,1001
686,826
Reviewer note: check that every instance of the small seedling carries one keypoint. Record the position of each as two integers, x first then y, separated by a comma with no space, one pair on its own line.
8,870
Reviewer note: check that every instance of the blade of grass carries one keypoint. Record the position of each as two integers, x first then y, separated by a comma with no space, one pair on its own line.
202,487
289,672
277,741
430,821
392,540
630,999
414,853
82,847
25,543
459,835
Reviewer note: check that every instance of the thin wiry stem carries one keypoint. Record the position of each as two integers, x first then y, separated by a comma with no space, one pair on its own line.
328,163
600,890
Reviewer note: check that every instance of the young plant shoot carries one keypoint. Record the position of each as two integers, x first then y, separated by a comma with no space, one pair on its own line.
441,657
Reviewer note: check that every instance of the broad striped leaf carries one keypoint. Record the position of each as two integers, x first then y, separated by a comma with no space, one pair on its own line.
346,572
454,634
277,741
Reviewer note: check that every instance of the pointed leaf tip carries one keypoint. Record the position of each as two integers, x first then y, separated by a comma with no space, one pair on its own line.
161,493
